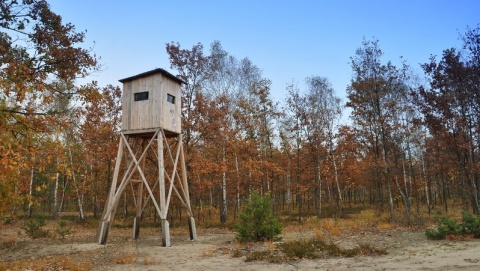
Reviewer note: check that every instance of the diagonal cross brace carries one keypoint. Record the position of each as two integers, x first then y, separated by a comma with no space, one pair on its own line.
140,171
129,173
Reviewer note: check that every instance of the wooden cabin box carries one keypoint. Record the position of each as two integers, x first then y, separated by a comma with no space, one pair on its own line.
151,100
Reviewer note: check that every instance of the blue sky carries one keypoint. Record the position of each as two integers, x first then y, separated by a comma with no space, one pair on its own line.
287,40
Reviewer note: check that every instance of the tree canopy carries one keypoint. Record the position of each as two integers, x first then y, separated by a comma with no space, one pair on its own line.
410,146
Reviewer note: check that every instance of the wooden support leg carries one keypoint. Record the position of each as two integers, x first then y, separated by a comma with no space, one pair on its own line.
136,227
102,240
191,220
165,233
161,185
107,217
192,228
138,212
139,204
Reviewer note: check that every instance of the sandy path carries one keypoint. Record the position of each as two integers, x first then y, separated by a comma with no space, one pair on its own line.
407,251
213,251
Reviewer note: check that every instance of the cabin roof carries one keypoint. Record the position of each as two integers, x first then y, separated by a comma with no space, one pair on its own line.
158,70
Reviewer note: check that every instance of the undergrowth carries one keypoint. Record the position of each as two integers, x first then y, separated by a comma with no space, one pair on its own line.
469,226
257,222
314,248
33,227
63,230
46,263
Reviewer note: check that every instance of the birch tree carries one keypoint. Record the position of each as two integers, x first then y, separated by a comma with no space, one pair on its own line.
373,96
323,109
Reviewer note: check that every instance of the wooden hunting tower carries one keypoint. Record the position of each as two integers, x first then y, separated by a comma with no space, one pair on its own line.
152,100
151,115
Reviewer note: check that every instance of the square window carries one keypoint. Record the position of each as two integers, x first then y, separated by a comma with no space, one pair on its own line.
140,96
170,98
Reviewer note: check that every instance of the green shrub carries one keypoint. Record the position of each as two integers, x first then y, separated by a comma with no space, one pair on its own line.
471,224
438,234
33,227
446,226
63,230
257,222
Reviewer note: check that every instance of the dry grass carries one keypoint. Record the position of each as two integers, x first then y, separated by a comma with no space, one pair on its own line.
215,252
313,248
149,261
362,221
223,250
208,253
47,263
9,241
132,258
331,226
319,234
385,226
126,258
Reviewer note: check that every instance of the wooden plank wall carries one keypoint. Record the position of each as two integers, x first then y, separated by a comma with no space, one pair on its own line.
156,112
171,113
127,96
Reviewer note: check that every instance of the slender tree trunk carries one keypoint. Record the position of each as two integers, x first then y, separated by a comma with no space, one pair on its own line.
238,186
464,193
77,190
474,195
65,183
223,211
300,207
471,173
444,189
318,189
16,195
94,179
211,198
55,196
288,192
30,193
425,184
339,190
250,180
299,195
388,181
406,195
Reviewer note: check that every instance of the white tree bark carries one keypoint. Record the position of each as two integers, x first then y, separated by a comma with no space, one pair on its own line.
339,190
55,195
223,211
30,201
77,190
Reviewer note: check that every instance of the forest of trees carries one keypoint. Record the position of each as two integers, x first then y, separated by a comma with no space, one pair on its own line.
411,146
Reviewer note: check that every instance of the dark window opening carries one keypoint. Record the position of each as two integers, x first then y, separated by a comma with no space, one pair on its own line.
140,96
170,98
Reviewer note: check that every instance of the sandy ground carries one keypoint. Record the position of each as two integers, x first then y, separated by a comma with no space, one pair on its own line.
407,250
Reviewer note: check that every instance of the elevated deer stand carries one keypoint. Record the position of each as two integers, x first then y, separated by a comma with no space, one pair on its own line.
136,140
